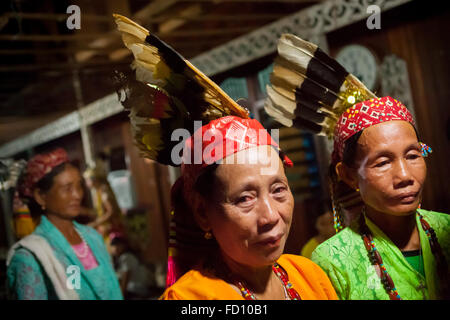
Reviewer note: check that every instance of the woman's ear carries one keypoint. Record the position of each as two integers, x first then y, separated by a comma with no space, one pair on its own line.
200,215
347,174
39,197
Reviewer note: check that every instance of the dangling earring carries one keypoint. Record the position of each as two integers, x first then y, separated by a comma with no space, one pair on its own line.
425,149
357,189
208,235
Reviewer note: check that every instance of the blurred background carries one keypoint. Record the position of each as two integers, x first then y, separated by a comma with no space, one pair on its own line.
57,60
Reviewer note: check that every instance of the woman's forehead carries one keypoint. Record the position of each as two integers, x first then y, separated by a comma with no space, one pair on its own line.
252,163
391,134
69,174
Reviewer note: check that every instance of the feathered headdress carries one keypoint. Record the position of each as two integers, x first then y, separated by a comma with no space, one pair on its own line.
310,90
168,93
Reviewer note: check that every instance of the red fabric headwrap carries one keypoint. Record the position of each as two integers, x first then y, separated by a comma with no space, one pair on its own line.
38,167
231,134
363,115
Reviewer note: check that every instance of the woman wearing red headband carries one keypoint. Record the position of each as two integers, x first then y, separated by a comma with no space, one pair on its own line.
394,249
232,219
232,204
61,259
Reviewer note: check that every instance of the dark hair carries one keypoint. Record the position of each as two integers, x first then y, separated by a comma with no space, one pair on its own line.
342,195
44,185
205,182
350,149
192,247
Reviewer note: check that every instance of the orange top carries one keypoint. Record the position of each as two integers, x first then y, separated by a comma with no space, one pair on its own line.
308,279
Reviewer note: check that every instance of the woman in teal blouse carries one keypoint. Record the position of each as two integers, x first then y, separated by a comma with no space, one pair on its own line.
61,259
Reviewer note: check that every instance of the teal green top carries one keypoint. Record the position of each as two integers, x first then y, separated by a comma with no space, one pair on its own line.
414,258
345,259
27,279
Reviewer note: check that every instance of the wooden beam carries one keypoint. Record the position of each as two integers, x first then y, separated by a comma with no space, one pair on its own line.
259,1
56,66
171,24
232,17
69,50
55,37
153,8
53,16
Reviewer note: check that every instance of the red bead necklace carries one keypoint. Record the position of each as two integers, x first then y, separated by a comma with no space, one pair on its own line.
282,275
376,259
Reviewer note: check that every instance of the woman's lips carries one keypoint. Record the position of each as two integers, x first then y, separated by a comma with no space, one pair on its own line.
407,197
273,241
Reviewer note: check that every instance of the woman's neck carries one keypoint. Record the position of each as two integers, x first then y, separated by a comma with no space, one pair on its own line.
261,281
401,230
65,226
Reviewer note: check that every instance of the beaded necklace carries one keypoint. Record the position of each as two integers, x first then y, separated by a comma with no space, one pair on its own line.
85,250
376,259
292,294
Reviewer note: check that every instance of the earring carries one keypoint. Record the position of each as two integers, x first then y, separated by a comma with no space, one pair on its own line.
208,235
357,189
425,149
43,207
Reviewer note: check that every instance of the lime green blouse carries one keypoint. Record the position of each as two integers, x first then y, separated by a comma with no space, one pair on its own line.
345,259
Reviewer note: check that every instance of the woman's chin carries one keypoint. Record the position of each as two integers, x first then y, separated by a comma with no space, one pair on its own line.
403,209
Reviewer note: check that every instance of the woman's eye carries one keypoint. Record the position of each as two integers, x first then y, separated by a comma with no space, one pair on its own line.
412,156
244,199
381,164
280,189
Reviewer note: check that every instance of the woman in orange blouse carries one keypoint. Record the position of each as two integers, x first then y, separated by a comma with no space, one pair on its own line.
232,215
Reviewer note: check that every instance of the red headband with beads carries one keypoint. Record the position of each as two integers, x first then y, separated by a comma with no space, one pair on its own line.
363,115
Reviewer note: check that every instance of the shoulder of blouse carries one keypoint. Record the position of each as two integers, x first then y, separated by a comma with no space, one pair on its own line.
197,285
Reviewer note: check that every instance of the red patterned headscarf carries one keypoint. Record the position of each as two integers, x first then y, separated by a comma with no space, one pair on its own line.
38,167
233,134
363,115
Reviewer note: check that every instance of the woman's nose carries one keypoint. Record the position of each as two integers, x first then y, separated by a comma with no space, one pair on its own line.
78,193
402,174
268,215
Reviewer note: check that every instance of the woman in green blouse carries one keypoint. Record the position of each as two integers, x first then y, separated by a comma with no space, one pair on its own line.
393,250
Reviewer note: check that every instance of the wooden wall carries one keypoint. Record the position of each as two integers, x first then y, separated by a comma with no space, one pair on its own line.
153,194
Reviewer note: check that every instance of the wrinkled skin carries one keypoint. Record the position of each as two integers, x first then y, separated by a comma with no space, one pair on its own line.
390,170
251,213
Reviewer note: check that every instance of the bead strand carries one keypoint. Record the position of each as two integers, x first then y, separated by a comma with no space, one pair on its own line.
282,275
376,259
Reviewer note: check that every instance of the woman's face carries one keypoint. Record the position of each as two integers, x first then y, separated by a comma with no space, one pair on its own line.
390,168
253,206
65,196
